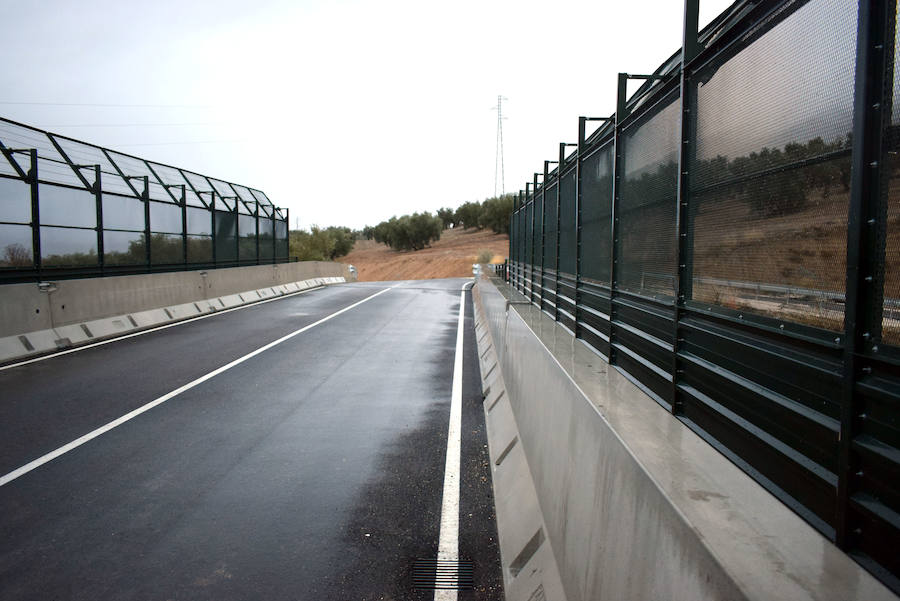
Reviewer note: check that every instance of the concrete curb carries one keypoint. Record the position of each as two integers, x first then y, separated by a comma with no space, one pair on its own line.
41,342
529,565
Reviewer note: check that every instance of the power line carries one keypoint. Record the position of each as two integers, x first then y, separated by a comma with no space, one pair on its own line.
138,124
498,154
184,143
105,105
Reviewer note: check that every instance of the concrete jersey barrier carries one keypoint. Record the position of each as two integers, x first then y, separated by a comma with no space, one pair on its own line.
39,318
601,494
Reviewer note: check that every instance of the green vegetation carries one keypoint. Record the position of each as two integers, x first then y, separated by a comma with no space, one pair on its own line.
485,255
410,232
416,231
320,244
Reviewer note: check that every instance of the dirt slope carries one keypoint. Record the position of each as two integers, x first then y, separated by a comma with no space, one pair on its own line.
450,257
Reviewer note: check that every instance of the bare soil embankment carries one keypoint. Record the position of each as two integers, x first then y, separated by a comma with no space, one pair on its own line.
450,257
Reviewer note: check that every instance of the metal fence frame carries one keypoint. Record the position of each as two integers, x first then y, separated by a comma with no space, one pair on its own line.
244,202
837,468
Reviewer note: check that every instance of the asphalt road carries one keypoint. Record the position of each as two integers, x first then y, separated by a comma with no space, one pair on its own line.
311,470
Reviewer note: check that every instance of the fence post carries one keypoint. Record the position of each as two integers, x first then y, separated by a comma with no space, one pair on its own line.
98,200
184,228
559,180
621,98
255,218
863,305
579,159
534,208
35,210
544,226
518,245
215,237
686,150
287,229
237,232
145,195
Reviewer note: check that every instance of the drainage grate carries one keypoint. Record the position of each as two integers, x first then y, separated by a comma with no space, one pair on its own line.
444,574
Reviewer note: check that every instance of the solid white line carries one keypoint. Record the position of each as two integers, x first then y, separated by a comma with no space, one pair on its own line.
448,543
147,331
129,416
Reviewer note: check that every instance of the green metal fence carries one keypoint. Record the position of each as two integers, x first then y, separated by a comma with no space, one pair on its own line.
72,209
729,239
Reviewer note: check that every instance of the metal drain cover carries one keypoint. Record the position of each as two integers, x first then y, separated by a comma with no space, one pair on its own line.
444,574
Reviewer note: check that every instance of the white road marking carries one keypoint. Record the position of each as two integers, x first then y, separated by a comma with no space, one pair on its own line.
448,543
147,331
129,416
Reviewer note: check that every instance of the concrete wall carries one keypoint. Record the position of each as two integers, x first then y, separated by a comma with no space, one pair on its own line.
634,505
37,319
24,308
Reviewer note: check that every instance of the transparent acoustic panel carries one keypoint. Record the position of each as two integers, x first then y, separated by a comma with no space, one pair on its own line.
247,249
567,224
166,249
222,188
67,206
122,213
199,221
266,238
135,167
226,236
199,249
262,198
15,246
6,167
551,227
15,201
527,233
56,172
596,213
165,217
247,232
646,208
226,248
226,224
770,191
67,247
266,247
111,182
538,234
173,177
246,226
51,165
124,248
85,154
244,193
281,240
890,325
202,187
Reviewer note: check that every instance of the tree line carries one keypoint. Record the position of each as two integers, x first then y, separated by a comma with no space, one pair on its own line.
416,231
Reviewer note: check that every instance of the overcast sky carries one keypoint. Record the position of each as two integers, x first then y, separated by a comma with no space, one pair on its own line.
346,112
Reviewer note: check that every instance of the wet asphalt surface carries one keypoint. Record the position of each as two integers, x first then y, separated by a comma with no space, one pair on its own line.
313,470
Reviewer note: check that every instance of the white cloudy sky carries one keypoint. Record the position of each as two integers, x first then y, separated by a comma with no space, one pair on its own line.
346,112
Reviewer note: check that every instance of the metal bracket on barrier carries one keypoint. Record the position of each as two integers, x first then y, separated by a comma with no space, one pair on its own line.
513,302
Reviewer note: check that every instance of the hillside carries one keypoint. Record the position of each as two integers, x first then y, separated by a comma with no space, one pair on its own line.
450,257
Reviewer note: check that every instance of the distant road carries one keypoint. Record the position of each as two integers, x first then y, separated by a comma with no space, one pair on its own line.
288,450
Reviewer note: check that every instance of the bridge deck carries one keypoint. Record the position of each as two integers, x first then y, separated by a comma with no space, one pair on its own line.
311,470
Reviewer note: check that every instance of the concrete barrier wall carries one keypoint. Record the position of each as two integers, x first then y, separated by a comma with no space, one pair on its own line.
25,308
634,504
40,318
